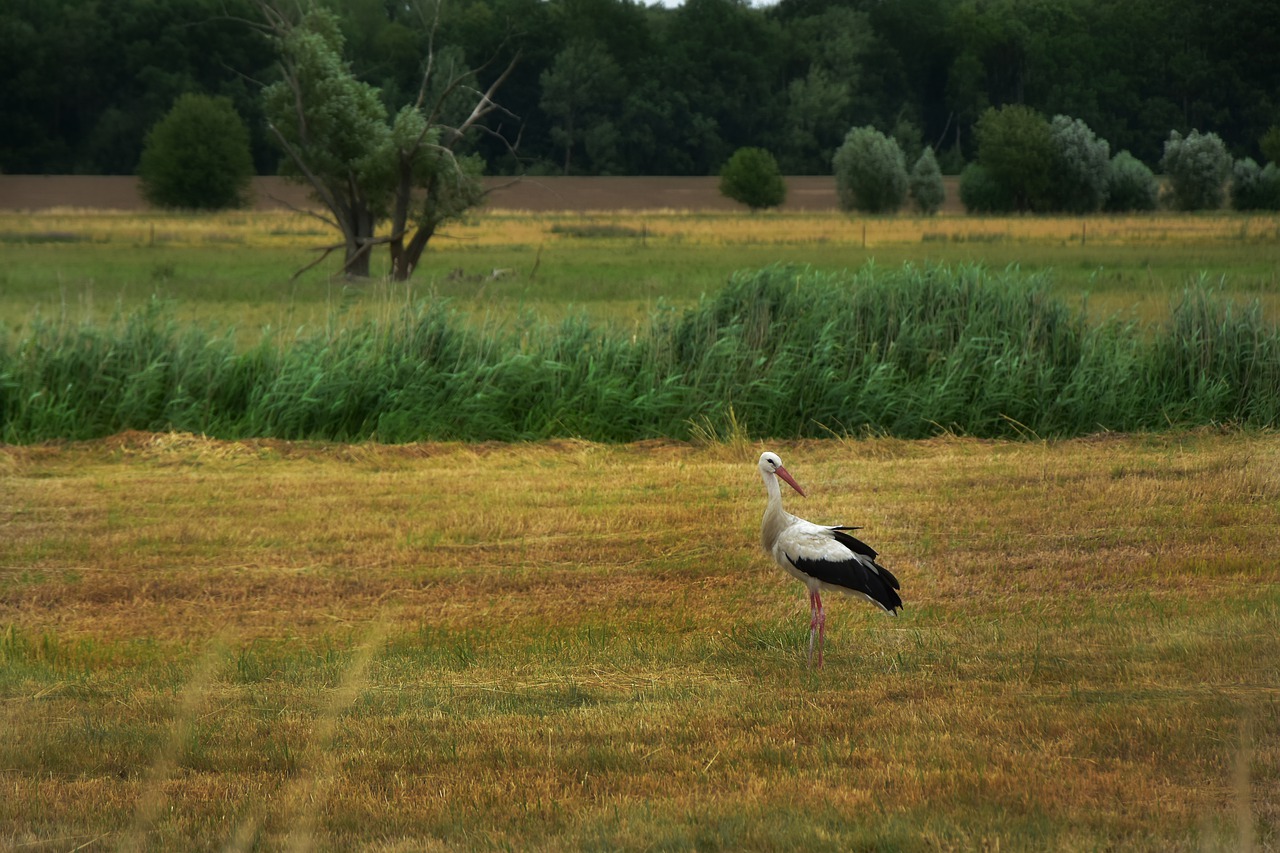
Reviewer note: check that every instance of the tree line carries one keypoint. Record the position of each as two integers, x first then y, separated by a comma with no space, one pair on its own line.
619,87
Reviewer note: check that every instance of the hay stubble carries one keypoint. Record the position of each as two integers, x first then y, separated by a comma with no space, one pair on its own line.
577,644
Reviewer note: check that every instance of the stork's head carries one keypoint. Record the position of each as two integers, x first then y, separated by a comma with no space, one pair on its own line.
770,465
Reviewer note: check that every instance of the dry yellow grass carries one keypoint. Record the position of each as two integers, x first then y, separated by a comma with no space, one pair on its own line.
210,644
505,228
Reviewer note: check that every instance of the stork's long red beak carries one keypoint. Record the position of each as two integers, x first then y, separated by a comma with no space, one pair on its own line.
782,472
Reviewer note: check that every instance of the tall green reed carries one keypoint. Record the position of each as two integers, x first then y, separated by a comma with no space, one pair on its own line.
782,352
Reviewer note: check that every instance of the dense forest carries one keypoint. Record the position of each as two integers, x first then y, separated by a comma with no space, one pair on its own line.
618,87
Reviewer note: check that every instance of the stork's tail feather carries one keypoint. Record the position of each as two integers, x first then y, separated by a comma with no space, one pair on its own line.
882,588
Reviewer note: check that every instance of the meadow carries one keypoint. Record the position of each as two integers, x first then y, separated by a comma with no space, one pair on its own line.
568,645
237,269
244,643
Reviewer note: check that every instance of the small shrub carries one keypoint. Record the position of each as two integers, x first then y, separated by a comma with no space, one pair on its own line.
751,177
1130,185
925,184
1198,166
197,156
871,172
1015,146
1079,166
1255,188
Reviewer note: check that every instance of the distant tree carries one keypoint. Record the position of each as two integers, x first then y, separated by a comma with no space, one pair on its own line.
1197,166
1079,166
1254,187
1130,185
1015,147
871,172
582,78
725,58
981,193
925,184
751,177
815,104
830,45
909,138
197,156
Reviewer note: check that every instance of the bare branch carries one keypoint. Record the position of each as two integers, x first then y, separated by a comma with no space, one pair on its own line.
325,251
487,104
304,210
326,197
431,55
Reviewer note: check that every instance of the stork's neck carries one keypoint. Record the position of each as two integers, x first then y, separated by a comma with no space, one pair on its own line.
771,486
775,517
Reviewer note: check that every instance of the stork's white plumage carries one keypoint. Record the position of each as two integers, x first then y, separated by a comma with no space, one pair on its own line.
822,558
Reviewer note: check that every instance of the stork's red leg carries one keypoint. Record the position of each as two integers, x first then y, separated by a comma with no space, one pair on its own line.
814,605
822,625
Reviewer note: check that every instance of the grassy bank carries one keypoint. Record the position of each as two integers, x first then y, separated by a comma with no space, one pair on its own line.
209,645
784,352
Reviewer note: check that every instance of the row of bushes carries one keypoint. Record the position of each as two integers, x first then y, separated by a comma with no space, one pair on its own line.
784,351
1026,162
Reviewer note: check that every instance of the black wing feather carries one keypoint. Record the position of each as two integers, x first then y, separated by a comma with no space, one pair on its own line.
857,546
860,573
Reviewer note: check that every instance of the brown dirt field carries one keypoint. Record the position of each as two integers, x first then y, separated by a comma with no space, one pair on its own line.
120,192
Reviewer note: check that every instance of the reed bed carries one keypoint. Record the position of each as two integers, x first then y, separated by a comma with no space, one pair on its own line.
782,352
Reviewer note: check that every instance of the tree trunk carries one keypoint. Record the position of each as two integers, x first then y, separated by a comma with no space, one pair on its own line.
404,259
568,145
357,265
357,229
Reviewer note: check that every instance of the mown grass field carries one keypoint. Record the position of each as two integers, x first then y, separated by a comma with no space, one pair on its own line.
264,645
259,644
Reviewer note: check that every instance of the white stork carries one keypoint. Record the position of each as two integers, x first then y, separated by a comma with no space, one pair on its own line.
822,558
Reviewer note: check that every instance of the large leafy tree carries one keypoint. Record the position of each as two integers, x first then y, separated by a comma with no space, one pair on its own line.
363,167
814,112
333,129
827,50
